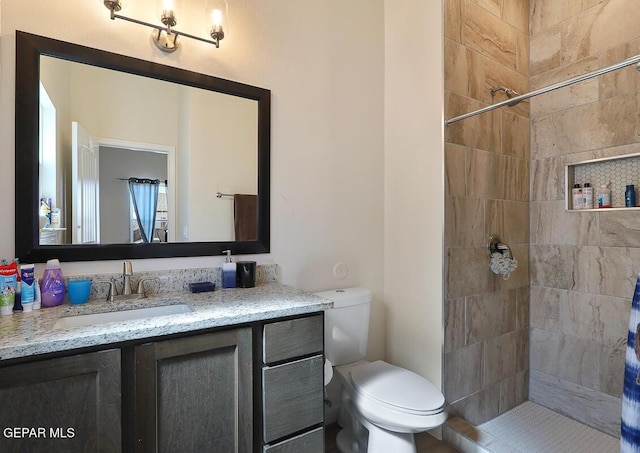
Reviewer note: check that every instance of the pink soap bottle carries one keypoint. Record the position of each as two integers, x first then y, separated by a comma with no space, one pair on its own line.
52,288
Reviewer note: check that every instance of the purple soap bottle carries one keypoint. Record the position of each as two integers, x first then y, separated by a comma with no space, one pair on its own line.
52,289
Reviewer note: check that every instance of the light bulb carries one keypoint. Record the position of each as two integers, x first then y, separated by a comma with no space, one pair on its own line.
216,17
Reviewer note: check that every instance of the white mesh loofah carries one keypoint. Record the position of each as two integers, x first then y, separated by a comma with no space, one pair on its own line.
502,265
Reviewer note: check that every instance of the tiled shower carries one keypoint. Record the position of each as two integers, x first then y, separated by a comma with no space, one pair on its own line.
554,331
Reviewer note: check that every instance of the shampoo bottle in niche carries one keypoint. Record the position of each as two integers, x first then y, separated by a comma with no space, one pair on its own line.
228,272
577,198
587,196
52,290
630,196
604,196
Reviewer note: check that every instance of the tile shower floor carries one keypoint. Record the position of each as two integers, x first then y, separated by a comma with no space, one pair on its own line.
529,428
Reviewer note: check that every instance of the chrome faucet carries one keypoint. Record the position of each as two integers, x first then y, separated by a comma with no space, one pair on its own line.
127,273
127,293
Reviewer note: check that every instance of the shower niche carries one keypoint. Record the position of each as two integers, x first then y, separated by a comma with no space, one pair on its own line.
616,171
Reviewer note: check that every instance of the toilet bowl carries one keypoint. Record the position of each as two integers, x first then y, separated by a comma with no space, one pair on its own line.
381,405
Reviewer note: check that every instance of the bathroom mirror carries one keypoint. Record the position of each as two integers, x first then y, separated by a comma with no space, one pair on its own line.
115,121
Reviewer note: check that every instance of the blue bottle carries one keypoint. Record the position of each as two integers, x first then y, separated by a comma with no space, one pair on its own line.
228,272
630,196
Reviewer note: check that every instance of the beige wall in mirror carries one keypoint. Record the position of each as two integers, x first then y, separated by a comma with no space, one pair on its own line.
209,140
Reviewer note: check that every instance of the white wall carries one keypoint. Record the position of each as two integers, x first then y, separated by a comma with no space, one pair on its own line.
414,181
334,149
324,62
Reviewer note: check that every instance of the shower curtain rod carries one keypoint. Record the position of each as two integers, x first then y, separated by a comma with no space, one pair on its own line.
517,99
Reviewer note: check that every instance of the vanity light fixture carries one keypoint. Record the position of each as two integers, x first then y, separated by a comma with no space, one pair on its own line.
164,36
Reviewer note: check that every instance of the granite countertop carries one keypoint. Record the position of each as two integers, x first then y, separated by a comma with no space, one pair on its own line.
29,334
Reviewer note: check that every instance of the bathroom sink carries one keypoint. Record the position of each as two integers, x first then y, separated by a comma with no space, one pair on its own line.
68,322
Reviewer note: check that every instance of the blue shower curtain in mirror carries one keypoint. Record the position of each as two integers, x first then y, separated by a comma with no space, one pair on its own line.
144,193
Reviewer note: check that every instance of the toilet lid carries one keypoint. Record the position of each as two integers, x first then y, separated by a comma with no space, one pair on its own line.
394,386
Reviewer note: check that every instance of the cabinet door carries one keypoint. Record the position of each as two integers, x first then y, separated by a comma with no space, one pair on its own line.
195,394
64,404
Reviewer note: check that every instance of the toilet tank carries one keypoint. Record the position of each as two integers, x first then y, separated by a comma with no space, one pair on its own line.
346,325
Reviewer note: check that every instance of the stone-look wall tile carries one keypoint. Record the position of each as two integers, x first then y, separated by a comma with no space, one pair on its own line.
551,224
563,73
523,348
522,386
487,34
545,50
547,179
453,19
618,82
515,135
499,358
455,181
610,271
508,393
490,315
456,67
586,4
516,13
592,32
612,361
454,324
493,6
464,221
519,278
569,358
522,57
545,307
551,265
621,229
602,319
519,188
462,372
468,272
585,405
592,126
588,270
495,173
523,309
480,131
482,174
565,98
548,13
481,406
510,219
620,269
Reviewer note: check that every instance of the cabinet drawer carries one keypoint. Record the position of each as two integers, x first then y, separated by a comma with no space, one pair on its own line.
293,397
311,442
294,338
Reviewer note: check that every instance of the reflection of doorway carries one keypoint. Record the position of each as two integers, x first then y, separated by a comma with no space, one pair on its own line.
119,161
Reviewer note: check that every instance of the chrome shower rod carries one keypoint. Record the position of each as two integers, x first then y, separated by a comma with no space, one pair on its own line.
517,99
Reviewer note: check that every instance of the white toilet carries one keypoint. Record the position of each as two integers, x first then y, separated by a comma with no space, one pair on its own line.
382,405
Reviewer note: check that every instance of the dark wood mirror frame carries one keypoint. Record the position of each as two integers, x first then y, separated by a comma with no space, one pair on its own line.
29,48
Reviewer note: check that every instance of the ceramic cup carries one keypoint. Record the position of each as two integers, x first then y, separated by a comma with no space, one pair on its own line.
79,291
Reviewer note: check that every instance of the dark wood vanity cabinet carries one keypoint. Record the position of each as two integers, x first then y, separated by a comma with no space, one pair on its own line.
195,393
62,404
252,388
293,385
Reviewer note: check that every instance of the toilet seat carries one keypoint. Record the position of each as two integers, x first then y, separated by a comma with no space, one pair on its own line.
381,393
397,388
